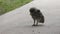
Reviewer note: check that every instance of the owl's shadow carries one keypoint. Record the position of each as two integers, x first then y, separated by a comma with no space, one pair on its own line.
41,25
30,26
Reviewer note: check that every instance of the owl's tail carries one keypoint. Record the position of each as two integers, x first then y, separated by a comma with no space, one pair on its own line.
42,19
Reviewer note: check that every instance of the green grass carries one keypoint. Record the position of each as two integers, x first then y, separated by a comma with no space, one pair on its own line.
8,5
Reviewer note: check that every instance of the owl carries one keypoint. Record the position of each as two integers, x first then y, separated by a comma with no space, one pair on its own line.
36,15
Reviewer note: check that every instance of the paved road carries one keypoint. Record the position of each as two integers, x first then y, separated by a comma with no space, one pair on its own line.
19,20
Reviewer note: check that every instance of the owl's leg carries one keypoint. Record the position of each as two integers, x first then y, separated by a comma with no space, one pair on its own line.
34,23
37,23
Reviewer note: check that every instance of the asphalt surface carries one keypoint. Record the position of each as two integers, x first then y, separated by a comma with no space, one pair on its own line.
19,20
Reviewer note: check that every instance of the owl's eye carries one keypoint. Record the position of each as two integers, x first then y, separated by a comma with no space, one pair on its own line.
38,10
32,9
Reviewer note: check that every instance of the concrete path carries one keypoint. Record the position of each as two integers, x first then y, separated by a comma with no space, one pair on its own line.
19,20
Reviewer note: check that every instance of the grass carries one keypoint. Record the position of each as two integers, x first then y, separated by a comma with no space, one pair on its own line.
8,5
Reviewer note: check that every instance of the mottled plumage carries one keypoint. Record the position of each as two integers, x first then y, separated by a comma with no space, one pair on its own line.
36,15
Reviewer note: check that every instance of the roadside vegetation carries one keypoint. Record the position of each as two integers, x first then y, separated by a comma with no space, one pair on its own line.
8,5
